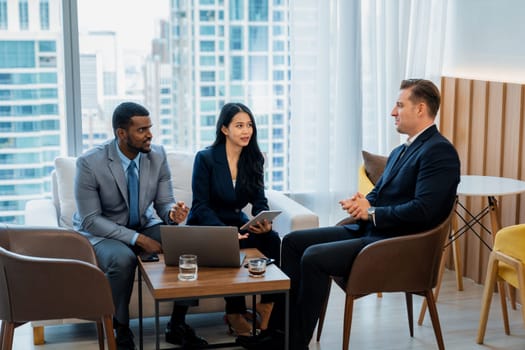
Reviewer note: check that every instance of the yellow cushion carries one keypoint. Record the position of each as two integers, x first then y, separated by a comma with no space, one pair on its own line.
510,241
364,185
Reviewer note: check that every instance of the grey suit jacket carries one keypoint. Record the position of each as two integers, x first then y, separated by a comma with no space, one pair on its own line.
101,193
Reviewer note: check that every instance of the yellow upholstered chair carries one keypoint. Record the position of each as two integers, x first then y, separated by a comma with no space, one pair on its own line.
364,184
506,264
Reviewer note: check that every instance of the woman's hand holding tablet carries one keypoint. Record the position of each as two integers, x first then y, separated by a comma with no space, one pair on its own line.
263,215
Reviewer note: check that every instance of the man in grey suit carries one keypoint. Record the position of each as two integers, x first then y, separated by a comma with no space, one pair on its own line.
416,192
122,220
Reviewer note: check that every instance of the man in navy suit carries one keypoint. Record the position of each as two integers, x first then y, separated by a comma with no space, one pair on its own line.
415,193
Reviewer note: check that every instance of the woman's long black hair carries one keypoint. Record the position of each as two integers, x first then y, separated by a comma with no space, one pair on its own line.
250,167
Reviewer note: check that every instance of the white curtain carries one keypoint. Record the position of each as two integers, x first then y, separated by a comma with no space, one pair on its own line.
348,58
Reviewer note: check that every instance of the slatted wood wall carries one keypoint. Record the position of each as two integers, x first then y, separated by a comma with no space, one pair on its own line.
485,122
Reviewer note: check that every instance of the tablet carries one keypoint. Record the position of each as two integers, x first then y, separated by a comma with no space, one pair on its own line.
265,214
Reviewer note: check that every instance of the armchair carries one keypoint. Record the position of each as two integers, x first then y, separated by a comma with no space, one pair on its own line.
49,273
58,211
506,264
389,266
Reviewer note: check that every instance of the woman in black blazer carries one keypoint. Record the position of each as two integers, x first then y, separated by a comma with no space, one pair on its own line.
226,177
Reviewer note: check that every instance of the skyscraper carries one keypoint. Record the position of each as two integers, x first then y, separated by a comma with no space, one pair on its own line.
232,50
31,83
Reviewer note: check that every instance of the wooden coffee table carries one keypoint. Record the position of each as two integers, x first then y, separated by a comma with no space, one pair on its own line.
163,284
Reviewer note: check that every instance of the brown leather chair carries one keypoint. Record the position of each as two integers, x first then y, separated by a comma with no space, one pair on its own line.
51,273
408,264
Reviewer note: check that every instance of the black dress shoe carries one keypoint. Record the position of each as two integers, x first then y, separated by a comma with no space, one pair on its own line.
184,335
125,338
267,339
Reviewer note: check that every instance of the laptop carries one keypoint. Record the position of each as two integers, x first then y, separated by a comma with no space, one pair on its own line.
215,246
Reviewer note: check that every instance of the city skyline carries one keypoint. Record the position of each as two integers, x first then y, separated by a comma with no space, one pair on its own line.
248,63
132,34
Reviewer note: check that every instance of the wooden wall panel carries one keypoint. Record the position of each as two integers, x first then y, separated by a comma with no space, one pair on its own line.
448,90
521,155
511,145
484,120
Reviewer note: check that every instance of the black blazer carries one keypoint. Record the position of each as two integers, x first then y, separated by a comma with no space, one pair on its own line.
417,192
215,201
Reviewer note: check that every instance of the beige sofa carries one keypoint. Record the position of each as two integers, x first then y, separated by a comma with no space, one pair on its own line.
58,211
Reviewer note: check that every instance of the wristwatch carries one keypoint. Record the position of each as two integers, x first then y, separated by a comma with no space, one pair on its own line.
372,214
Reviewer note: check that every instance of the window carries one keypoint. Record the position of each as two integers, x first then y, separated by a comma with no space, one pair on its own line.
207,106
258,68
207,76
207,60
207,46
208,120
3,14
277,134
278,45
278,75
23,10
277,175
208,91
277,119
47,46
44,14
236,9
278,30
207,30
258,38
278,60
237,68
236,38
17,54
258,10
236,91
207,16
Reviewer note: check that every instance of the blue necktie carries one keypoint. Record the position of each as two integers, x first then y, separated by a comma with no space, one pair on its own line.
133,195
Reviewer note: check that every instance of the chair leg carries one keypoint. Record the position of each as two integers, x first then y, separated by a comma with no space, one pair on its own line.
100,334
349,306
410,311
432,309
456,251
438,286
512,296
521,288
490,280
108,325
2,333
38,335
323,311
8,332
504,311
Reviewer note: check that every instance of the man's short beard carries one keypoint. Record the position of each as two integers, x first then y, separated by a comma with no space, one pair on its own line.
137,149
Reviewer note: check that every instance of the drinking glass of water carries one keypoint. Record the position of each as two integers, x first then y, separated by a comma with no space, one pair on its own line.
188,267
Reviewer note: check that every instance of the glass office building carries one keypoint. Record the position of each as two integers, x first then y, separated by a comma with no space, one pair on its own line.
31,83
232,50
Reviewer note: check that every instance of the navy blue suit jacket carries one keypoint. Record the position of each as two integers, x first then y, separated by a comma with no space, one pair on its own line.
417,192
215,201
